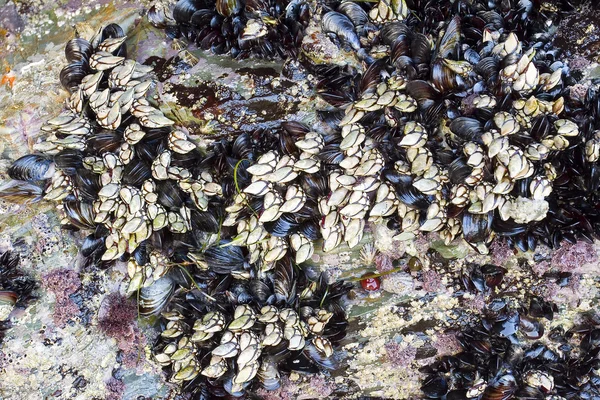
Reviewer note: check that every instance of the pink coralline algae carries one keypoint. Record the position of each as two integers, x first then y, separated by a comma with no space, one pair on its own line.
287,391
477,303
500,252
115,389
573,257
432,281
422,243
383,263
400,356
447,344
63,283
570,294
540,268
320,388
117,320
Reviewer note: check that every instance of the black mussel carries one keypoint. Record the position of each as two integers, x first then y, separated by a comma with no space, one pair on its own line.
477,227
355,13
531,328
16,288
80,214
502,387
283,226
32,167
540,308
458,170
228,7
69,161
104,141
467,129
341,26
87,184
169,194
93,247
78,49
136,172
390,32
156,17
225,257
21,191
184,9
448,44
155,297
405,190
72,74
435,387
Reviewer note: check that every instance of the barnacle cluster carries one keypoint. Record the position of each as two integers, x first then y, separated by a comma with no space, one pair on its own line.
468,123
460,122
146,195
16,288
233,334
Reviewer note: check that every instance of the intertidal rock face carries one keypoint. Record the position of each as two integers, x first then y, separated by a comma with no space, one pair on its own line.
299,199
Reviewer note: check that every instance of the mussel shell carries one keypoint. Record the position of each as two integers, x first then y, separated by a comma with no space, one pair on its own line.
341,25
531,328
501,388
390,32
283,226
80,214
72,74
224,258
169,194
477,227
405,190
435,387
87,184
78,49
206,221
458,170
468,129
104,141
92,247
69,161
136,172
155,297
21,191
184,9
32,167
354,12
228,8
539,308
157,18
114,31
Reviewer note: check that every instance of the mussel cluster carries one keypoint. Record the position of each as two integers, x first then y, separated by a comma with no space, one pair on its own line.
508,352
146,195
233,335
243,28
468,124
16,288
493,364
460,122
